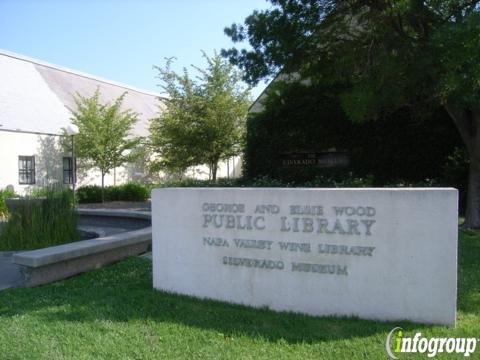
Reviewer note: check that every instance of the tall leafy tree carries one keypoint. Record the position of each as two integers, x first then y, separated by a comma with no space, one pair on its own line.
104,140
386,54
204,118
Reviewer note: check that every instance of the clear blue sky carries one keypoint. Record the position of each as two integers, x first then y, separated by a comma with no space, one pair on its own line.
120,39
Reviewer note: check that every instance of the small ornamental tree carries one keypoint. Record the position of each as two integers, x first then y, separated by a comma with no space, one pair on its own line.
204,119
103,140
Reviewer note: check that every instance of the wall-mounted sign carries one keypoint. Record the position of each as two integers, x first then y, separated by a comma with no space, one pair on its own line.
320,159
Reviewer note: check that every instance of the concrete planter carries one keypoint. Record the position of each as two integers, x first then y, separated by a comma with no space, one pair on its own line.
43,266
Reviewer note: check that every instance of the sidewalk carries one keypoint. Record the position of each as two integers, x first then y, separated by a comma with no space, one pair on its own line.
120,205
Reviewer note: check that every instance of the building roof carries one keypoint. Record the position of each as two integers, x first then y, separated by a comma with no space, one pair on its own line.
258,105
36,96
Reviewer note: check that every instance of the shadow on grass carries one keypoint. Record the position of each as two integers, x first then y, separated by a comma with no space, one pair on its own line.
469,272
123,293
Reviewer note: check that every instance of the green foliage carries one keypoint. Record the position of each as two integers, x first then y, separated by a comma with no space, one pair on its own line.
455,173
113,313
90,194
406,146
133,192
390,54
457,46
348,180
321,181
265,181
222,182
37,222
5,194
387,55
103,140
204,118
126,192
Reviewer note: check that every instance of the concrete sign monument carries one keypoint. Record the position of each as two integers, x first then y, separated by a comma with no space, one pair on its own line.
385,254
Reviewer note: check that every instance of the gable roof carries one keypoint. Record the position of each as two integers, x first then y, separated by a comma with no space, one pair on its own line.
36,96
258,105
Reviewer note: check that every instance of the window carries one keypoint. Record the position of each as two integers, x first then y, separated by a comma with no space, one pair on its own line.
26,170
67,170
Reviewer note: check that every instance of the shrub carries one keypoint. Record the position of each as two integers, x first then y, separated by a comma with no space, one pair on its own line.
126,192
455,173
5,194
113,193
409,144
348,180
36,222
266,181
200,183
89,194
133,192
420,183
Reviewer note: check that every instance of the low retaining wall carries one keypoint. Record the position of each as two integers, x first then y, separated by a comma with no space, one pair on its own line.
54,263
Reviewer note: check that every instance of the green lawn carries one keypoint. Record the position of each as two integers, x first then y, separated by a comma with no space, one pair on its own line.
115,313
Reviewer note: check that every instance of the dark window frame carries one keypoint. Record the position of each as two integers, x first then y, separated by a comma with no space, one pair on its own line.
68,175
26,170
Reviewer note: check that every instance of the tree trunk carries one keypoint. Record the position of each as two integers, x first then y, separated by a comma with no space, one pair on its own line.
472,215
103,187
214,171
467,122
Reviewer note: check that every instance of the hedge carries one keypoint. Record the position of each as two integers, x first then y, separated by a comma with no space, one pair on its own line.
125,192
406,146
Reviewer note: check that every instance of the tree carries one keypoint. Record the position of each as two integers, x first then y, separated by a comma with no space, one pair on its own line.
386,54
204,118
103,139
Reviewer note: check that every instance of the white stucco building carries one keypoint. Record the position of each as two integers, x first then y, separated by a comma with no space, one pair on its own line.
35,102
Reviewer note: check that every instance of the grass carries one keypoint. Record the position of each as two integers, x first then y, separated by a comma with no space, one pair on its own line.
114,313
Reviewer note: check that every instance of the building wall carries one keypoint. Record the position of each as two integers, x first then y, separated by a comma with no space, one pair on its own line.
226,169
48,163
13,145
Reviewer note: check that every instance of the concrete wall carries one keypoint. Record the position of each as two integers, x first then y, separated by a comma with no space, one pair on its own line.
384,254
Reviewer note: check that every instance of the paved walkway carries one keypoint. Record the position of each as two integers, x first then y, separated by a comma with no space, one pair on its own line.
147,256
120,205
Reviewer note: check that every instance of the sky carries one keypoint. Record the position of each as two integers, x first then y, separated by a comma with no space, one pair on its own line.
121,40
